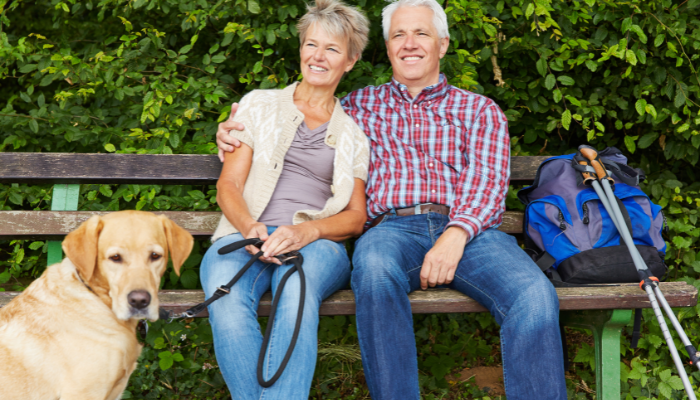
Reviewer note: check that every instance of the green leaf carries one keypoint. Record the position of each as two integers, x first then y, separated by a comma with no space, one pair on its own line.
257,67
566,119
218,59
659,40
16,198
557,95
566,80
549,82
189,279
34,125
174,140
253,7
630,143
626,24
270,37
541,66
206,59
529,10
5,276
573,100
36,245
26,68
675,382
196,194
641,55
650,109
106,190
110,148
178,357
639,106
268,52
599,126
638,30
631,57
647,140
680,98
185,49
25,97
166,360
665,390
592,65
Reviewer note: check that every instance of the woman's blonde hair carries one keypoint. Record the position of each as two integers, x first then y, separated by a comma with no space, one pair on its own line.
339,20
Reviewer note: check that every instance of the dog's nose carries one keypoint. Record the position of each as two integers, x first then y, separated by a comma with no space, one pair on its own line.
139,299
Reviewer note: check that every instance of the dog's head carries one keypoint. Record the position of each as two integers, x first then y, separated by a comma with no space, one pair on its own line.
124,254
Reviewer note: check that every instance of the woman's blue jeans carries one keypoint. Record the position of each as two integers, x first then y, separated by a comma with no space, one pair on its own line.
237,335
494,271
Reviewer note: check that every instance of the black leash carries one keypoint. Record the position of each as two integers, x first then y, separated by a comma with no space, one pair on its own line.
294,258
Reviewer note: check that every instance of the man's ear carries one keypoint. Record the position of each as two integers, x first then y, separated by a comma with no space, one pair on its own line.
444,44
80,246
180,242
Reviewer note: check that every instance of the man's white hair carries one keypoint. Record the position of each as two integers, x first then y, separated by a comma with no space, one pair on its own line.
439,16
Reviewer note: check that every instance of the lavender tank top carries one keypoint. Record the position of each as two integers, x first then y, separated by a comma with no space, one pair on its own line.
306,178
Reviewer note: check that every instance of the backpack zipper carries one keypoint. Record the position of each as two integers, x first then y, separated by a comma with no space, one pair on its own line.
562,225
585,213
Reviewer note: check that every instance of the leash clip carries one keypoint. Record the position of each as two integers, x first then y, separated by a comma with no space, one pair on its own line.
288,256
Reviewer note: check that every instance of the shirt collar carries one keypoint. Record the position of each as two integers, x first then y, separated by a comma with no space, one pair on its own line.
428,93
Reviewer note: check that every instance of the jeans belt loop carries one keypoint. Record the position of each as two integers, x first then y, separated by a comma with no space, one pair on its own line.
418,209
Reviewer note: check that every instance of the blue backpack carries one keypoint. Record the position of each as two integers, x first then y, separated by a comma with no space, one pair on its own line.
572,237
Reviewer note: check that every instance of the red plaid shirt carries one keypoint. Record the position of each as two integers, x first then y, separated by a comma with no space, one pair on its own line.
445,146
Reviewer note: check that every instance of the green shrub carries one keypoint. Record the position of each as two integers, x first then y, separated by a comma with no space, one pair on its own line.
156,76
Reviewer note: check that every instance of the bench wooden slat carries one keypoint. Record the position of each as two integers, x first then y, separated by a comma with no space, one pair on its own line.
161,169
55,224
627,296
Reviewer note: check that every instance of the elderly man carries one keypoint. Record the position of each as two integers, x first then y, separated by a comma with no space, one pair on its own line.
438,178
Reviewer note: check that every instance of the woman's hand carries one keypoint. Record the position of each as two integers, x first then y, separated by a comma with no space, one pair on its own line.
288,238
256,230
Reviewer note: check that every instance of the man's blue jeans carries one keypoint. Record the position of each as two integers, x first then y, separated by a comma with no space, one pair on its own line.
237,335
494,271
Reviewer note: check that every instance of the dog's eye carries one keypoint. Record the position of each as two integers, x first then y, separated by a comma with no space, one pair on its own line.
116,258
155,256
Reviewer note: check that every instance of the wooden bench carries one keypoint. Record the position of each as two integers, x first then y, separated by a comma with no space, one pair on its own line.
605,311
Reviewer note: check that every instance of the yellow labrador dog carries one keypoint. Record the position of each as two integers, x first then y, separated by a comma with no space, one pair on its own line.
71,335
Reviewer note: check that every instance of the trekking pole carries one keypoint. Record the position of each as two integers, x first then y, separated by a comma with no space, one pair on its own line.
649,283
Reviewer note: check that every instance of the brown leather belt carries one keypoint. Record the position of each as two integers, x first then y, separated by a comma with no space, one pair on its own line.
418,209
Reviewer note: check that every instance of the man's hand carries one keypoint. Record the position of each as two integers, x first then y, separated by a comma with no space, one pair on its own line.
288,238
224,141
441,262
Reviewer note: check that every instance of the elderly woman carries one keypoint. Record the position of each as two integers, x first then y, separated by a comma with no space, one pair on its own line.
298,183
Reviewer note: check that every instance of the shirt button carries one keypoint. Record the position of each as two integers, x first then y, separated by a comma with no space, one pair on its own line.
415,106
430,165
433,191
416,125
331,140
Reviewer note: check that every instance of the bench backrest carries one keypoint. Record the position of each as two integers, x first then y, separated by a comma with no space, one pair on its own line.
145,169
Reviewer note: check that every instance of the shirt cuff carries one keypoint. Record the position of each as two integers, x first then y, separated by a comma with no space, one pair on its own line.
469,224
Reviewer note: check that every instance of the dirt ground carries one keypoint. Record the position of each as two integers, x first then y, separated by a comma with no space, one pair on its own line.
488,379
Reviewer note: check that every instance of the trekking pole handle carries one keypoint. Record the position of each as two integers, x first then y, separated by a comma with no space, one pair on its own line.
592,155
588,177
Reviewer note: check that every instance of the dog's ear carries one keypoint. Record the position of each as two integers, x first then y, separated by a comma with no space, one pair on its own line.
180,242
80,246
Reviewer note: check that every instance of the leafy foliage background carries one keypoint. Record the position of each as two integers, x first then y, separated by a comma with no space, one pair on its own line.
156,76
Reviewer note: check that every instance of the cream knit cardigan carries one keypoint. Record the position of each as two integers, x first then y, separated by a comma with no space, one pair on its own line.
271,121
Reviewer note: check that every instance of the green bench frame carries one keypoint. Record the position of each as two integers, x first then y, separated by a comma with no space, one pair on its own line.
605,311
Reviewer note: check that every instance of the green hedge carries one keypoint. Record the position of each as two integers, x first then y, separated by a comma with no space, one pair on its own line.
156,76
